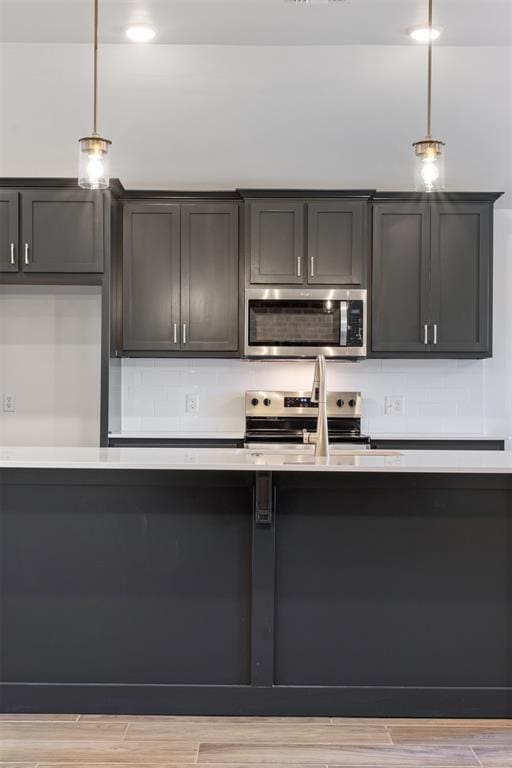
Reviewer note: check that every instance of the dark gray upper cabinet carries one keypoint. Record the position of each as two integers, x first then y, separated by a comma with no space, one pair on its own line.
400,277
9,228
151,276
306,242
335,242
461,276
209,277
275,235
180,277
62,231
431,278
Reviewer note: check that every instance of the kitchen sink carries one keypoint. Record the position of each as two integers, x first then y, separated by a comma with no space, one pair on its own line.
308,451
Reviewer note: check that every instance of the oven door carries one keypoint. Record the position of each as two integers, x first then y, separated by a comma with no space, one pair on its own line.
295,323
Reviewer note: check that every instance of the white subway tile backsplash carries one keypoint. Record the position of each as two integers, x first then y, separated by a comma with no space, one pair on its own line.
161,377
440,396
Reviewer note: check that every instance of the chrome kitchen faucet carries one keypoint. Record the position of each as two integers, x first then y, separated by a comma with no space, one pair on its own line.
320,438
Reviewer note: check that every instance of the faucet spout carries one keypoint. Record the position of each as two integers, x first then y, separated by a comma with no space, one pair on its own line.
319,395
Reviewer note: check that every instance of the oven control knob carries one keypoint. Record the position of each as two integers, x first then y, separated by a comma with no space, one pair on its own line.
340,403
352,403
254,401
267,401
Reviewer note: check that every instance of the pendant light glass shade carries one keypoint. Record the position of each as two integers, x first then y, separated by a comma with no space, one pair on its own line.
93,160
94,163
429,165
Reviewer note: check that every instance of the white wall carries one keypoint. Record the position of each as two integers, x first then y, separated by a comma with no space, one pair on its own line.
50,362
226,116
284,116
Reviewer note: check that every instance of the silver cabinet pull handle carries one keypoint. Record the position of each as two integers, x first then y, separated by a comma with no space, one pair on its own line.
175,333
26,254
312,268
435,333
299,266
13,260
184,332
425,334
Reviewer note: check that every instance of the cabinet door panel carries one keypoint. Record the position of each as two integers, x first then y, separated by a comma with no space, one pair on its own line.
400,283
335,242
276,241
9,253
461,272
209,277
151,276
63,230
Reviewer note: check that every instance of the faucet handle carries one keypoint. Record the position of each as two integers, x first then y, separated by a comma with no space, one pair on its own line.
310,438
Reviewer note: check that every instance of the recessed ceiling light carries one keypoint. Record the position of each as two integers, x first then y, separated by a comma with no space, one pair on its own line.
424,34
140,33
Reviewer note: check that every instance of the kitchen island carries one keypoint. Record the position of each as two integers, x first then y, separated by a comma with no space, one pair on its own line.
231,581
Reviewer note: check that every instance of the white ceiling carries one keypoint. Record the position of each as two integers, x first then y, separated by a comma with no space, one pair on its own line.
258,22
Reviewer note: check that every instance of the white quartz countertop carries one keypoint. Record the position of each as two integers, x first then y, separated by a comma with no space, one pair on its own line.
233,459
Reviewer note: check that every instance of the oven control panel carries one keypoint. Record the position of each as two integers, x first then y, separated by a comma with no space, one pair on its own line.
298,402
275,404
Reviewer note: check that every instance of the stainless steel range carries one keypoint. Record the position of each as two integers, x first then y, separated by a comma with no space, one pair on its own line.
279,419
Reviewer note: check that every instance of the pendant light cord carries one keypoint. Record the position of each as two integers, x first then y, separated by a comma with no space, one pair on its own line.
429,90
95,107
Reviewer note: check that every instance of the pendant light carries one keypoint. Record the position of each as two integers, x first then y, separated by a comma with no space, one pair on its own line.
429,153
93,164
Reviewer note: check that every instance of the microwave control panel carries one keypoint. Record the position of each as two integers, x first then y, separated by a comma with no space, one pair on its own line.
355,324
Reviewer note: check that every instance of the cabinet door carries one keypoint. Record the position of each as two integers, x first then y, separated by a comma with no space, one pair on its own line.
62,231
335,242
400,279
151,276
9,254
209,277
276,241
461,277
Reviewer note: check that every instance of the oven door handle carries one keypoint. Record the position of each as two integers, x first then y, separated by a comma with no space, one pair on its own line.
343,323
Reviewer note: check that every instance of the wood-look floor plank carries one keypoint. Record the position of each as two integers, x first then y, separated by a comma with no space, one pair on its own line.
24,717
258,733
168,765
94,752
422,721
494,757
472,735
210,720
15,765
55,731
389,757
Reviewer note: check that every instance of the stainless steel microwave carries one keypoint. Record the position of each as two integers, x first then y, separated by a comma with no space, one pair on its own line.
294,322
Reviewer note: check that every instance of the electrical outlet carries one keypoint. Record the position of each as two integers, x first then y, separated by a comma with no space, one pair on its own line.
8,403
192,404
394,405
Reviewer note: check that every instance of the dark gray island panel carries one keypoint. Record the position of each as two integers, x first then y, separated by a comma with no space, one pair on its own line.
154,591
138,578
392,583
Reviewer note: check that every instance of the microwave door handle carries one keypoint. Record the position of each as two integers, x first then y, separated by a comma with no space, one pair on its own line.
343,323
